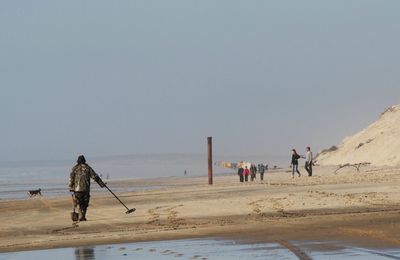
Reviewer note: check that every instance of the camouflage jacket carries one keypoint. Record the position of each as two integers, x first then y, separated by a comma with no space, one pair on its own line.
80,178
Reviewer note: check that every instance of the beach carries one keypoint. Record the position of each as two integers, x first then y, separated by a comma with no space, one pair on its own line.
357,207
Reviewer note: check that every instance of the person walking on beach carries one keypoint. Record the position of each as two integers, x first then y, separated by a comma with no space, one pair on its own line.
253,170
295,162
261,170
246,174
79,184
240,173
309,158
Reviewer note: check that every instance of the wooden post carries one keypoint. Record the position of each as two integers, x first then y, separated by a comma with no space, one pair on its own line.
210,166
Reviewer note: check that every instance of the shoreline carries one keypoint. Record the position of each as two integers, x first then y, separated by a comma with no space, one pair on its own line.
360,208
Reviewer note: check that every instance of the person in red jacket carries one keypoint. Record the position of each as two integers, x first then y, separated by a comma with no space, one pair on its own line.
246,174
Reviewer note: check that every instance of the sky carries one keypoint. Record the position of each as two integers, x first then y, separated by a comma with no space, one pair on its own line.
124,77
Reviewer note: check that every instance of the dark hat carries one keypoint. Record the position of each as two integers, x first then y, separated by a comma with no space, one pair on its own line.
81,159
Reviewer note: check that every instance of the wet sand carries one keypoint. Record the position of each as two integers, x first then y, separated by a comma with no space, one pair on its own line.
360,208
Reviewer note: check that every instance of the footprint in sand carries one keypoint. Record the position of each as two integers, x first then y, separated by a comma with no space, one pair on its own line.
154,216
276,204
256,207
173,218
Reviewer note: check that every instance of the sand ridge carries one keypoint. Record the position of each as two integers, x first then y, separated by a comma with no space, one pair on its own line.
377,144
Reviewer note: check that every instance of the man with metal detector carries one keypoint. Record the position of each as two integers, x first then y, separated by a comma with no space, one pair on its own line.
79,184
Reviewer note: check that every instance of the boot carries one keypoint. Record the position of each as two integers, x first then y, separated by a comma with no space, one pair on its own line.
82,214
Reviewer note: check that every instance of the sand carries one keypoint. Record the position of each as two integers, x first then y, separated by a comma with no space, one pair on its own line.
377,144
358,207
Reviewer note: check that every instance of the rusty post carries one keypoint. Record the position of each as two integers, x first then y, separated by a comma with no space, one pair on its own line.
210,166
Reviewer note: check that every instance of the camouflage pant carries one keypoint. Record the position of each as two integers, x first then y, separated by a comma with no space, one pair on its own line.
81,199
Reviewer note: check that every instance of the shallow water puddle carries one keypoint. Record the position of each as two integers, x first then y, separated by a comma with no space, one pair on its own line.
204,249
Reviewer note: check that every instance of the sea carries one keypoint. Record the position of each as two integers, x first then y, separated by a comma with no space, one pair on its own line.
16,178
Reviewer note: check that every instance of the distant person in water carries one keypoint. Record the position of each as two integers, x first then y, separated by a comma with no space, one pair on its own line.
253,171
240,173
185,173
261,170
309,158
246,174
295,162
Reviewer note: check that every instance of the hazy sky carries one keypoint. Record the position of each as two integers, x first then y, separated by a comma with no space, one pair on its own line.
125,77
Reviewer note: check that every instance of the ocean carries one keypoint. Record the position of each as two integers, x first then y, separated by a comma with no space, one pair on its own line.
16,178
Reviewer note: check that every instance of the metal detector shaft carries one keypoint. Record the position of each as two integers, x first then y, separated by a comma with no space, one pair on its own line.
116,196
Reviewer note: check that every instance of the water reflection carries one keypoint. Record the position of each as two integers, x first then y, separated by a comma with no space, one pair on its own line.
84,253
207,249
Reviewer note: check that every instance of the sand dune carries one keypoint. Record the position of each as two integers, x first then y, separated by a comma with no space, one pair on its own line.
378,144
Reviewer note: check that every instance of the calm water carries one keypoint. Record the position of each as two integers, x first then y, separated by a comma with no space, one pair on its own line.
52,177
138,166
203,249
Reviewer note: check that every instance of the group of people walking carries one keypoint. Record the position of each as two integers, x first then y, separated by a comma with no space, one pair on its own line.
244,172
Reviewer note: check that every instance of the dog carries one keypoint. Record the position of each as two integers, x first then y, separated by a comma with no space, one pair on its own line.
34,193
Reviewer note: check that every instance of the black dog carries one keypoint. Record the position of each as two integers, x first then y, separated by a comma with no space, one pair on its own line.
33,193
